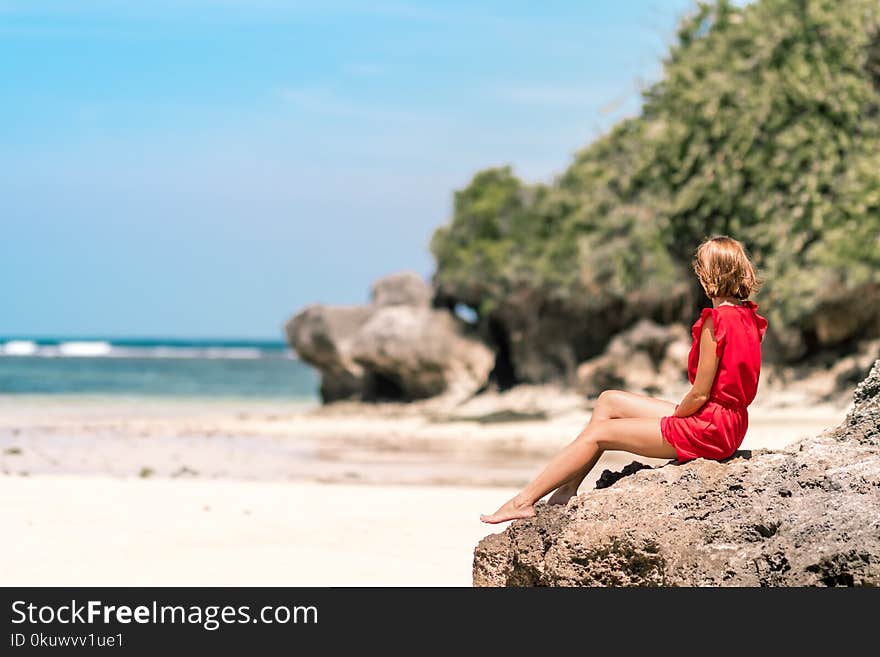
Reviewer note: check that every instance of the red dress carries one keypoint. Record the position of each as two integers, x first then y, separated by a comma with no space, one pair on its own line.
717,430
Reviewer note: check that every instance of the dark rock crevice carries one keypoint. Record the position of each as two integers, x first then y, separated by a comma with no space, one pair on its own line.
503,374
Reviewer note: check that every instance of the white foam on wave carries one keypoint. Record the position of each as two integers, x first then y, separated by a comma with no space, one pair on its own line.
104,349
232,352
235,353
80,349
20,348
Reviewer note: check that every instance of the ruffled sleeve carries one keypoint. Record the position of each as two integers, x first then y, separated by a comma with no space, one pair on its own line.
760,322
717,328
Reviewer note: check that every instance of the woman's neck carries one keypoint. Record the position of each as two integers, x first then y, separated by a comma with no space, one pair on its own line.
726,301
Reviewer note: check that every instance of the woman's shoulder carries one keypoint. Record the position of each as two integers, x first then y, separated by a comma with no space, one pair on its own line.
712,315
760,321
705,314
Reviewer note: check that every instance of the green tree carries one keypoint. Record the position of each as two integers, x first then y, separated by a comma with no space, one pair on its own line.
765,126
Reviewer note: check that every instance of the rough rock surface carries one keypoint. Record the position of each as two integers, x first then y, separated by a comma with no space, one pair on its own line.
396,348
806,515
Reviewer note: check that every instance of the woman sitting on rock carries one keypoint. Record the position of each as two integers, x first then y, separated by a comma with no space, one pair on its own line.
712,418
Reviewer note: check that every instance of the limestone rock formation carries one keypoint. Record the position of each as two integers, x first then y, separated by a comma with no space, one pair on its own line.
396,348
647,357
405,288
806,515
322,336
830,376
422,352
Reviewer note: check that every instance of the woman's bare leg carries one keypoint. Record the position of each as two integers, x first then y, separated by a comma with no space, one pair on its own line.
612,404
636,435
569,488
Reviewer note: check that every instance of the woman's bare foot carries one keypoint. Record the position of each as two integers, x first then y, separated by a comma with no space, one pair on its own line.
510,510
562,495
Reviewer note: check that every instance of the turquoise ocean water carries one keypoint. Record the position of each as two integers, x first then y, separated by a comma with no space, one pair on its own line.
154,367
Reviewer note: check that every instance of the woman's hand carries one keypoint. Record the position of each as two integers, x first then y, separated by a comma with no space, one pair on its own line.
707,367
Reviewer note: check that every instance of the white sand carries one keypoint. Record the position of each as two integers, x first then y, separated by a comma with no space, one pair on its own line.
78,531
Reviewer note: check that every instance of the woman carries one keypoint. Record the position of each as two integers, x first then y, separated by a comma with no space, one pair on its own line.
710,421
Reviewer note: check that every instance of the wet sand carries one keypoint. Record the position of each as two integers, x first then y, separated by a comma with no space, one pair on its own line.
280,441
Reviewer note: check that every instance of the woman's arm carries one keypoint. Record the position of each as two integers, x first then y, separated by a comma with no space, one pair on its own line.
706,369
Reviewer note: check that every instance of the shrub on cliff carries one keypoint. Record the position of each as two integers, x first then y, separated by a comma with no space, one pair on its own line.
765,126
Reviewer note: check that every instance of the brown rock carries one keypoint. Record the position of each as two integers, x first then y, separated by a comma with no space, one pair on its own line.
403,288
646,357
322,336
802,516
423,352
398,348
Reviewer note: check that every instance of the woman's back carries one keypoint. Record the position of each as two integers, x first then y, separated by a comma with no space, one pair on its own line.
739,330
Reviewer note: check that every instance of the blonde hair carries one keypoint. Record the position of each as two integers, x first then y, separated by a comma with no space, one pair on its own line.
724,269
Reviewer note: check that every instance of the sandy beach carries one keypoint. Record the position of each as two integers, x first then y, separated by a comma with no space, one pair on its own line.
158,492
90,530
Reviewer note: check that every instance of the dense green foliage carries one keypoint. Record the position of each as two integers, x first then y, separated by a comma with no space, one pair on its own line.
765,126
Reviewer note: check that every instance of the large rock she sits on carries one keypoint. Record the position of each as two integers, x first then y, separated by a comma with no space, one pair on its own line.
396,348
806,515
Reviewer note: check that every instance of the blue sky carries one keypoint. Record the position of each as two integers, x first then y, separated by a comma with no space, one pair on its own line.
204,168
